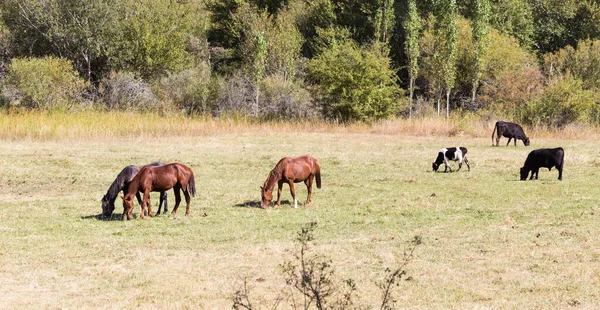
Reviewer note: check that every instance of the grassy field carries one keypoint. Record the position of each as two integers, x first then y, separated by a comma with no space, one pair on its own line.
489,240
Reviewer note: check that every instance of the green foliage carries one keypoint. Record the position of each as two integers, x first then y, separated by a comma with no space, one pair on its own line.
154,38
481,15
412,27
354,83
43,83
583,63
514,18
317,15
80,31
563,102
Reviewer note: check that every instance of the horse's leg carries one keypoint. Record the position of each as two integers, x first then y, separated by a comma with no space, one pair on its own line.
148,203
187,201
177,198
309,183
279,187
293,192
163,200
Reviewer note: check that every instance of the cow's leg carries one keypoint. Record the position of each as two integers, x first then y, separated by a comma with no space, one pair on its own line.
537,172
559,168
467,162
515,140
507,143
447,163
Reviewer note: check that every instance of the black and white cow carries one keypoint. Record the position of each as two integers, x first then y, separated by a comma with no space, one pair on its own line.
543,158
510,131
452,153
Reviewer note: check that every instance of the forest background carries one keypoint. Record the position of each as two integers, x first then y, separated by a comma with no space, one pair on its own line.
532,61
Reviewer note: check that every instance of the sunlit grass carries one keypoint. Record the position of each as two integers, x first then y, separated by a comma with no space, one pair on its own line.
489,240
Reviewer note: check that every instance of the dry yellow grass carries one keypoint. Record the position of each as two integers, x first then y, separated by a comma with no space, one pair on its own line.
489,241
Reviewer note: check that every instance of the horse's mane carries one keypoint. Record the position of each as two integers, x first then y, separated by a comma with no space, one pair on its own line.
275,175
115,187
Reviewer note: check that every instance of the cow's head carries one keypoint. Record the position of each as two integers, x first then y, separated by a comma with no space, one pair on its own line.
524,173
435,166
526,141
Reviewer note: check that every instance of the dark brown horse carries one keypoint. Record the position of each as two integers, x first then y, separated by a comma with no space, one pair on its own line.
121,183
160,179
291,170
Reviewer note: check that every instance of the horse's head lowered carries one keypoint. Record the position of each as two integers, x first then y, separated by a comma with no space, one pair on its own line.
128,206
108,206
266,196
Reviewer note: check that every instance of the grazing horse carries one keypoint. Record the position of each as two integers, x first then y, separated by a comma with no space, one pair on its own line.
160,179
291,170
121,183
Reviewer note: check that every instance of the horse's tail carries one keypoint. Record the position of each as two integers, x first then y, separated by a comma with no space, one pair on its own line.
192,185
495,126
318,174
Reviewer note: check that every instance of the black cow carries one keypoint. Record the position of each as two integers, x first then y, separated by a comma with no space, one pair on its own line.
546,158
510,131
452,153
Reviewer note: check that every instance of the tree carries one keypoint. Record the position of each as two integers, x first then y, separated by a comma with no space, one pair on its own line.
354,83
412,27
515,18
78,30
445,29
481,14
153,37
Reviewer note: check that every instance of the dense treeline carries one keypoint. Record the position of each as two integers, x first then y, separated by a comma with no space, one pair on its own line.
533,61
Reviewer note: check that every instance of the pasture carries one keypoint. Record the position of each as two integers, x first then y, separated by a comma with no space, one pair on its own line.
488,239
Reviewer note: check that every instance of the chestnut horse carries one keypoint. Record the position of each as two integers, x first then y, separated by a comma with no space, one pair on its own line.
121,183
160,179
291,170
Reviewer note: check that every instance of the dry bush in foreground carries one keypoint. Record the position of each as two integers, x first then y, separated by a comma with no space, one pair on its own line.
311,281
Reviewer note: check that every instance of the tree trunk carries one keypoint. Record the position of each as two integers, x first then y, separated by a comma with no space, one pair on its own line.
410,98
447,103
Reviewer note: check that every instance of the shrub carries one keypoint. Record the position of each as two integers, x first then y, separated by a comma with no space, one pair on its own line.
192,91
123,91
354,83
43,83
563,101
283,98
583,63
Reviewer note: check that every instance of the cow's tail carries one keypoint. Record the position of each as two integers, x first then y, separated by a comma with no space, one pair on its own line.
191,187
495,127
317,173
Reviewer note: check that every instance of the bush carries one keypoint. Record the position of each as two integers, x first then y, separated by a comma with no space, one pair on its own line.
564,101
123,91
43,83
355,83
583,63
283,98
192,91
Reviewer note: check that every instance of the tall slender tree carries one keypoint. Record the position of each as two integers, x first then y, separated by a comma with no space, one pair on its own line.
412,27
445,29
481,42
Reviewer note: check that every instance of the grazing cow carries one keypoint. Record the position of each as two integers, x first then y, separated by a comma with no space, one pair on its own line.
452,153
510,131
546,158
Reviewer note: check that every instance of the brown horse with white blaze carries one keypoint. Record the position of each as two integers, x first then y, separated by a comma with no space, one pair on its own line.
291,170
160,179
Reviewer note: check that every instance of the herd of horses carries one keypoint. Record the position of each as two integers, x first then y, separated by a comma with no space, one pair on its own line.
159,177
